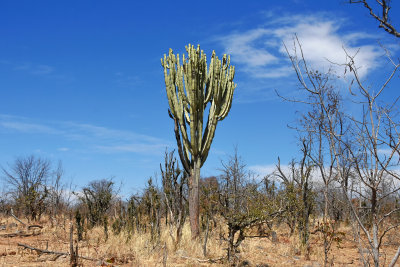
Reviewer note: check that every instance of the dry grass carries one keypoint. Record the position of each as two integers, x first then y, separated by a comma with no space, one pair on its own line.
138,250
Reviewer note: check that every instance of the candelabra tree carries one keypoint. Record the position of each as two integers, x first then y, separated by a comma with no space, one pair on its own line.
190,88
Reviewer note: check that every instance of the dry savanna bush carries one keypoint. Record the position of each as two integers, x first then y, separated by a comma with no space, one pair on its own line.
244,222
139,249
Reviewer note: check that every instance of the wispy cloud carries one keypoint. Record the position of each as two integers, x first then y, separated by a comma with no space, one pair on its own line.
42,69
126,80
27,127
81,130
36,69
87,136
135,148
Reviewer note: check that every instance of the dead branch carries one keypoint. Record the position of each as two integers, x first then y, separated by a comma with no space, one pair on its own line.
45,251
383,19
20,234
396,256
35,226
21,222
205,260
15,217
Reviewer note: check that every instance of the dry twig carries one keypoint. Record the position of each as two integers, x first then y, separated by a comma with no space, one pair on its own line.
45,251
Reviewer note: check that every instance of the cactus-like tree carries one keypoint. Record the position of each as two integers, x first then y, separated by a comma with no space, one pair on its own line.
190,88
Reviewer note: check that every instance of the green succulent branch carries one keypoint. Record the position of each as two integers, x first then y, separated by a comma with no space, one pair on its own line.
190,87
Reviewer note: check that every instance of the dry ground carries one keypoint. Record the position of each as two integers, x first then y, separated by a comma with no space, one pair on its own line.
139,251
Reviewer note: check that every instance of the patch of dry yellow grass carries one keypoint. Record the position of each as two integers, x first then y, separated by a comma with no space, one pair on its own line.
140,250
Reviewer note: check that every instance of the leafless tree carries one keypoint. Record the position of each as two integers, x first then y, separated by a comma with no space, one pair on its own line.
374,132
56,199
27,179
316,124
377,141
174,187
298,192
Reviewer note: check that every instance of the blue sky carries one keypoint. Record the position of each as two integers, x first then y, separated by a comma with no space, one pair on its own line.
81,81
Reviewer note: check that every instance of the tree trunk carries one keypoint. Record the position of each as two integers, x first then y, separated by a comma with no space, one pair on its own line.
194,205
325,226
375,227
231,245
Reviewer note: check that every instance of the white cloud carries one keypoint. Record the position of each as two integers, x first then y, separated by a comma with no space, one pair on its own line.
268,169
263,170
245,49
385,153
261,53
322,43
